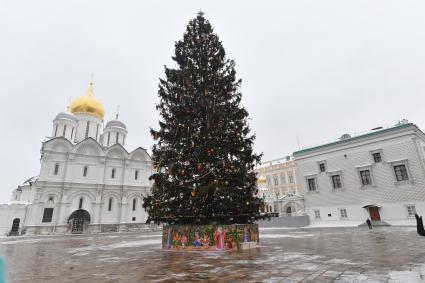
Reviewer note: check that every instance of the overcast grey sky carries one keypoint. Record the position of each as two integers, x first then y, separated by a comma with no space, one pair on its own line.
310,69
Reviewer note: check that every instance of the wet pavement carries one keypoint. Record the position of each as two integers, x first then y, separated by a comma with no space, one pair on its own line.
391,254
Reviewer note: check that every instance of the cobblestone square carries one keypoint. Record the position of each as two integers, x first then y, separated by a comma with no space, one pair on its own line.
392,254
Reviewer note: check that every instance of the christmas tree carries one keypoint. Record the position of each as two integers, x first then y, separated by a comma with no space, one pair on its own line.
203,152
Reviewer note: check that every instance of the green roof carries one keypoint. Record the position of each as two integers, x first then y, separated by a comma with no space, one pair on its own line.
370,134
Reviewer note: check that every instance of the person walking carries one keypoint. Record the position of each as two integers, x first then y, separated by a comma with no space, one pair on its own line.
369,223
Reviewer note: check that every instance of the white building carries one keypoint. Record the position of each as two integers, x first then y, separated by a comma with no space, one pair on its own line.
88,181
278,186
379,175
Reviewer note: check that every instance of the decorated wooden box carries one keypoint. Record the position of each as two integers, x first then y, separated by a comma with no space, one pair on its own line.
209,237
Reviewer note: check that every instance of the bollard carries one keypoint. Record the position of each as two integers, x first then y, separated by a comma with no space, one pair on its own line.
2,271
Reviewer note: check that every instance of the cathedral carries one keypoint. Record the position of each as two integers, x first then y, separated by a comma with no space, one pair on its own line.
88,180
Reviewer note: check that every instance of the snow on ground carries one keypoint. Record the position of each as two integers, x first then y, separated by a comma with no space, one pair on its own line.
277,236
332,224
405,222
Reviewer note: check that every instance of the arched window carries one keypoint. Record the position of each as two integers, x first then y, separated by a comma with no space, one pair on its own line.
87,128
113,173
80,205
56,171
64,130
56,130
85,171
117,136
109,137
110,204
134,204
136,174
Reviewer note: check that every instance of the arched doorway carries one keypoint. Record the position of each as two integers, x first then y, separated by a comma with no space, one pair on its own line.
289,210
15,227
78,220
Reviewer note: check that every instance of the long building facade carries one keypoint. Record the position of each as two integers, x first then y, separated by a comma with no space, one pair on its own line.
88,181
379,175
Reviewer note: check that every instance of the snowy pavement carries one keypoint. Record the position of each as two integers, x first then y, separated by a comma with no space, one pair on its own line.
388,254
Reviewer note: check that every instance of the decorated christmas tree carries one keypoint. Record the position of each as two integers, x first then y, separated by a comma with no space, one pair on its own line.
203,153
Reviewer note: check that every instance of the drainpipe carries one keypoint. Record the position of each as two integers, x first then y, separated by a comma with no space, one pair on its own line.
65,169
101,195
122,193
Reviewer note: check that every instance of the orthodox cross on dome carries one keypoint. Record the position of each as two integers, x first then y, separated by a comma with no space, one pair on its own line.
118,112
69,104
200,13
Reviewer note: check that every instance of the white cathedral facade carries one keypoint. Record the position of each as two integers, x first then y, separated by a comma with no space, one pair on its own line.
88,181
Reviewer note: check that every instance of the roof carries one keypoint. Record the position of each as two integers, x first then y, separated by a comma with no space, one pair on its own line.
359,137
66,116
115,123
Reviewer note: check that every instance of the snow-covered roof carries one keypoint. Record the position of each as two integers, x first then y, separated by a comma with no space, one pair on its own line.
15,202
31,180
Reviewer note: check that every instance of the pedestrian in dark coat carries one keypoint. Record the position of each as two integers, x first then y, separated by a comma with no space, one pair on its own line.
369,223
419,225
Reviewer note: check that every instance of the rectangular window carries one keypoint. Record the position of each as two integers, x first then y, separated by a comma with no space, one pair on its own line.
317,214
116,137
113,173
136,174
282,179
365,177
322,167
336,182
311,184
134,204
275,180
85,170
133,219
401,172
109,137
56,169
47,215
377,157
343,213
290,178
87,128
411,210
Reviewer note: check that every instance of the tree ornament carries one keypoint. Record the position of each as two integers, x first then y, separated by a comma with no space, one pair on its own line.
198,167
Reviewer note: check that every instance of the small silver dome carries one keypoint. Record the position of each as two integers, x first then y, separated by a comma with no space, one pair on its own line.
115,124
66,116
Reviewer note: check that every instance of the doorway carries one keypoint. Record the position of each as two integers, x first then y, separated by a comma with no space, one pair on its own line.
289,211
374,213
79,220
15,227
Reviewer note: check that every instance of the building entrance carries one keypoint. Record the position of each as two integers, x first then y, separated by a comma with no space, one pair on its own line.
374,214
79,220
15,227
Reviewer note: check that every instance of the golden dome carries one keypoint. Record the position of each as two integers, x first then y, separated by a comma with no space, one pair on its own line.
88,104
261,180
